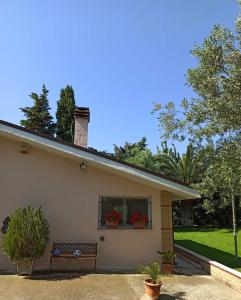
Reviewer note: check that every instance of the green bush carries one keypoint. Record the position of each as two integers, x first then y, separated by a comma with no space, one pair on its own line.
153,270
167,256
27,235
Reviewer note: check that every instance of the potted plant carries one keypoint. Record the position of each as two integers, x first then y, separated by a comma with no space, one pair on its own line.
26,238
167,261
138,220
152,284
112,219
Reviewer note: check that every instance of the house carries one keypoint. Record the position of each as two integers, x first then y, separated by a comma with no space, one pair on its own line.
76,187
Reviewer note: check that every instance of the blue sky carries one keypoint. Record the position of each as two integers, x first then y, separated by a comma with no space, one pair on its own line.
120,56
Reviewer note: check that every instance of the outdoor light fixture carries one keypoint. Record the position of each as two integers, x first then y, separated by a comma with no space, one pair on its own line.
84,165
23,148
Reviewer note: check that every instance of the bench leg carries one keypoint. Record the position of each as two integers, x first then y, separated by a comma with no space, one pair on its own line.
50,263
95,264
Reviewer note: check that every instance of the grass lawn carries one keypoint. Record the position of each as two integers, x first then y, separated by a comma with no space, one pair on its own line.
214,243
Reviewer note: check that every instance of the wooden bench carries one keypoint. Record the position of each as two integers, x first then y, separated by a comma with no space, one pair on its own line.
83,250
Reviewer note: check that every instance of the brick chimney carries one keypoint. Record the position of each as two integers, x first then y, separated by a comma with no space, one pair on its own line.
81,118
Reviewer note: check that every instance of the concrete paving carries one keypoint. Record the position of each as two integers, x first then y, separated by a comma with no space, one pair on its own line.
189,283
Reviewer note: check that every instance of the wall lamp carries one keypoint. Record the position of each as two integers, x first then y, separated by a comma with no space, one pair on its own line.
83,165
23,148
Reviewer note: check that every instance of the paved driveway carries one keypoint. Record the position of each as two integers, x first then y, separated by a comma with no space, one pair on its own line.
195,285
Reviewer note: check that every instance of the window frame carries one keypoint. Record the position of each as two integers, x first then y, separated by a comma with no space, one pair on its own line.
125,226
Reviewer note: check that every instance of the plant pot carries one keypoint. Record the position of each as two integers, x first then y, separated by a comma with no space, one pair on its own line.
167,268
152,289
139,224
25,267
112,224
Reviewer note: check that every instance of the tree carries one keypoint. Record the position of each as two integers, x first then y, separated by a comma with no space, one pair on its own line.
38,117
223,177
214,115
27,236
144,159
185,168
129,149
65,114
182,166
137,154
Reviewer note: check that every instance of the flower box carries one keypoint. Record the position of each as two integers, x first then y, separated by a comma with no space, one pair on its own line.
139,224
138,220
112,219
112,224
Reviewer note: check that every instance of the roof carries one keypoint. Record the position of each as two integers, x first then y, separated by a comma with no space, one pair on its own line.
179,189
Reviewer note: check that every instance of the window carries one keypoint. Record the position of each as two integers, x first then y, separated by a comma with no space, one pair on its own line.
126,207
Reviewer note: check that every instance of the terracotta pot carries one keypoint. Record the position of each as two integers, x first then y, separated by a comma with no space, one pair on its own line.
167,268
25,267
139,224
112,224
152,289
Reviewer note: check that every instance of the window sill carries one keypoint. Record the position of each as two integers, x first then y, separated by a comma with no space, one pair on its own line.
127,228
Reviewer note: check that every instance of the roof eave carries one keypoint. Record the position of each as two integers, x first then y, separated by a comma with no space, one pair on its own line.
179,191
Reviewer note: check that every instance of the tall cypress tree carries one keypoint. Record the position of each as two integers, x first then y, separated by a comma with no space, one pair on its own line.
65,114
38,117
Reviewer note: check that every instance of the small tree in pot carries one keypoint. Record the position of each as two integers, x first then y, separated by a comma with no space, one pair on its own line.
26,238
153,284
167,261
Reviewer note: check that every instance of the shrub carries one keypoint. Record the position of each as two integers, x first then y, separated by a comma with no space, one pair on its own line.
27,235
167,256
153,270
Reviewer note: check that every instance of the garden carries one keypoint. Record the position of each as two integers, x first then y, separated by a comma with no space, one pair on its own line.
214,243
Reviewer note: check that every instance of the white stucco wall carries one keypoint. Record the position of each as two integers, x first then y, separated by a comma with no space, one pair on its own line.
69,198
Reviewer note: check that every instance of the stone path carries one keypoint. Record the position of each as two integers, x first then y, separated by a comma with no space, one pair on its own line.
190,283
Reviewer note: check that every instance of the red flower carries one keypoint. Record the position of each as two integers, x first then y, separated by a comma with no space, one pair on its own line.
138,217
113,216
